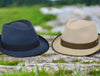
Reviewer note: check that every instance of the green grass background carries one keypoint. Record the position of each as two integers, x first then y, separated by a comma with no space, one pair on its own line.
31,13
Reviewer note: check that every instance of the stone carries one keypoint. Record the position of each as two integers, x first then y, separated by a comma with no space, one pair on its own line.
38,28
49,10
58,29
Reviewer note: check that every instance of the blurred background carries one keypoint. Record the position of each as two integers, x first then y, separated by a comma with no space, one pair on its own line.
49,16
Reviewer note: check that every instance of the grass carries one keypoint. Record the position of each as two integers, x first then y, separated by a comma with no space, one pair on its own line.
94,73
88,62
96,66
32,14
56,6
47,55
76,60
42,72
7,62
49,33
63,72
61,60
50,72
45,26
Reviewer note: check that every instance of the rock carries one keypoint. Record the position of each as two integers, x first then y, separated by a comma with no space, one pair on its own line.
46,10
78,12
58,29
38,28
97,12
98,27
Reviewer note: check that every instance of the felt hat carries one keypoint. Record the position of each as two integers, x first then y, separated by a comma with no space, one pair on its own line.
79,38
19,39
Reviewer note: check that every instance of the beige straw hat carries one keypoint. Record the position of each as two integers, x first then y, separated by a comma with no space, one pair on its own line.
79,38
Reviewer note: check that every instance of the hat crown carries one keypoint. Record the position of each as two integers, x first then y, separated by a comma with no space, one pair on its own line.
80,31
19,25
19,32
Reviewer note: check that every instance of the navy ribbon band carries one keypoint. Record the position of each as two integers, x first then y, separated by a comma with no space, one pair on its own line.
20,47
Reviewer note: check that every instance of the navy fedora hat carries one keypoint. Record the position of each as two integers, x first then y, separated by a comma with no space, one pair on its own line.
19,39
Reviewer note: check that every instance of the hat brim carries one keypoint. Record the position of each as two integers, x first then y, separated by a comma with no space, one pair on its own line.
43,47
57,47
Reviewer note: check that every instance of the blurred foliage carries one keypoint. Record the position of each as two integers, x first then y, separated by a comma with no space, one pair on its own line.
45,26
32,14
94,73
5,3
11,63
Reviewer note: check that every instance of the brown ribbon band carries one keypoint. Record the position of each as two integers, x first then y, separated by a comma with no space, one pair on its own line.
79,46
